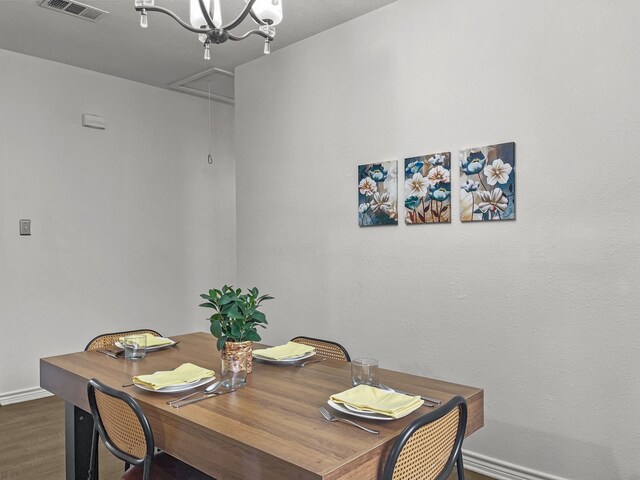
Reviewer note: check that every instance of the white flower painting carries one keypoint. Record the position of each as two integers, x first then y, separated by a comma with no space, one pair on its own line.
487,183
378,194
427,189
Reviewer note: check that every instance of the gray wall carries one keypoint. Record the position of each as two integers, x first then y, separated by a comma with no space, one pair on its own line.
541,312
130,224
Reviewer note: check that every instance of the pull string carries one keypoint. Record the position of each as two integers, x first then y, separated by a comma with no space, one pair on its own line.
210,157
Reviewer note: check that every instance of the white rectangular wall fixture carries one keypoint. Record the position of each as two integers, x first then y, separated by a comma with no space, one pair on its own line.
25,226
94,121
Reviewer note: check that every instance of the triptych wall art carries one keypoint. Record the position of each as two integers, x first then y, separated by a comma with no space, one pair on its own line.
487,188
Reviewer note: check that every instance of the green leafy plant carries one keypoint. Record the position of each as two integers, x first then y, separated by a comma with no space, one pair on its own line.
237,316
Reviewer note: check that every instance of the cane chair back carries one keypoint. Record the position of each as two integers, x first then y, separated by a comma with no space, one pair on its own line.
430,446
121,424
107,340
125,431
325,348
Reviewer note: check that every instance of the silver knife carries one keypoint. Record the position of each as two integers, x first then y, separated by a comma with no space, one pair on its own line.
306,362
194,400
110,353
426,399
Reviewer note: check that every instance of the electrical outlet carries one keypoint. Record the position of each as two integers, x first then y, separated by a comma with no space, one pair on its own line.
25,227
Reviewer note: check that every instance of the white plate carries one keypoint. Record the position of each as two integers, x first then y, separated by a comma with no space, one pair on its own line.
358,410
284,360
178,388
154,348
361,413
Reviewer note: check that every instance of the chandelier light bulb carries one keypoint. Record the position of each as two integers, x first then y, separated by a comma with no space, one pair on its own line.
207,51
268,11
144,22
217,14
195,13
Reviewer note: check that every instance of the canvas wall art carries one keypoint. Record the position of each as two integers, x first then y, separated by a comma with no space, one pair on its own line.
487,183
427,189
378,194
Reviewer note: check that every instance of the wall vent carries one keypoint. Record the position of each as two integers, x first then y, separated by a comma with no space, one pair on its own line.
77,9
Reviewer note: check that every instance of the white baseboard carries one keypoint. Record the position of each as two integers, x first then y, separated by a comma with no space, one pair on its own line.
23,395
501,470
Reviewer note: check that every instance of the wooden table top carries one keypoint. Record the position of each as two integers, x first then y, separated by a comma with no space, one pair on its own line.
271,428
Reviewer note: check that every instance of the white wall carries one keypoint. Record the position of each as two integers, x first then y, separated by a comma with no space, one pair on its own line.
541,312
129,224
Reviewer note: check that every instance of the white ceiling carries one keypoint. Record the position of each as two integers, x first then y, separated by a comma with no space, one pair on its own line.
165,52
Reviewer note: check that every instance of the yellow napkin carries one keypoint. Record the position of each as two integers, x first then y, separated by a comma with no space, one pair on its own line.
376,400
152,340
291,349
185,373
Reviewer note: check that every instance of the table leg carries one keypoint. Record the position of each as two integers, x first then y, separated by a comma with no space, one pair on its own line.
78,432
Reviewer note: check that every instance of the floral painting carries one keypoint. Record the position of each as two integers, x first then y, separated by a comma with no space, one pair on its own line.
487,183
427,188
378,194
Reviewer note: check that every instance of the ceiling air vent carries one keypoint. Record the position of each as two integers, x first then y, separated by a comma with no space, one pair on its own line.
77,9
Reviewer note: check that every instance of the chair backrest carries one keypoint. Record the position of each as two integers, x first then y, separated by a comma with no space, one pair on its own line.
430,446
326,348
121,424
107,340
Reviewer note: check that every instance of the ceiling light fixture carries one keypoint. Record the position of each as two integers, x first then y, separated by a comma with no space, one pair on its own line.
206,20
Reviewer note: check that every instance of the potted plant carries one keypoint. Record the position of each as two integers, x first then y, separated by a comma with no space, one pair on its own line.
235,323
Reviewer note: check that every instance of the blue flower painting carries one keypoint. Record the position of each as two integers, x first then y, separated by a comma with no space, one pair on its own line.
488,183
427,189
378,194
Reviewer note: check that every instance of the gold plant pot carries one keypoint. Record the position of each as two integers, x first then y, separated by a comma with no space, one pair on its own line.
237,357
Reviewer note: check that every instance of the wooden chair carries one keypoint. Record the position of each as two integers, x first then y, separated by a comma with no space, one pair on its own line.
125,431
107,340
325,348
429,447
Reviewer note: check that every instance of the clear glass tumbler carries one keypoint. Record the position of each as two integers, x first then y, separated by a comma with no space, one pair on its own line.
364,371
135,347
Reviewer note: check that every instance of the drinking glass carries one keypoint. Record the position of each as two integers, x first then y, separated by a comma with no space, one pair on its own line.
364,371
236,375
135,347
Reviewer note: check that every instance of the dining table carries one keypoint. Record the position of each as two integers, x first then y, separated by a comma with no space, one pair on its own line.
269,429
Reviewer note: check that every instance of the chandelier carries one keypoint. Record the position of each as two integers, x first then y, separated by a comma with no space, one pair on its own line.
205,19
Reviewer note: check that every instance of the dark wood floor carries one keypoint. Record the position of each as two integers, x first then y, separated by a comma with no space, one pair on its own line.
32,444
